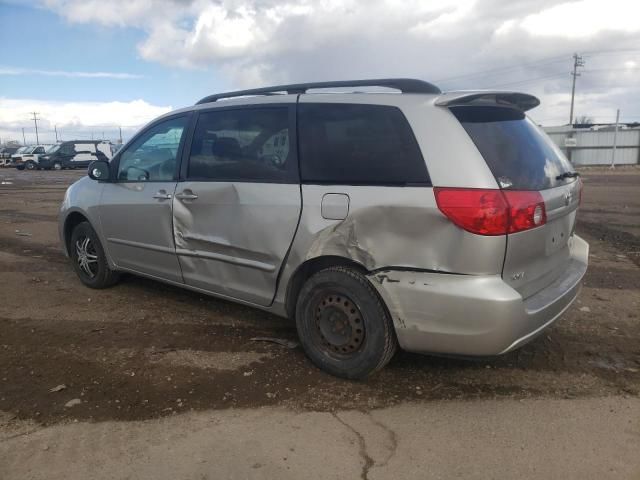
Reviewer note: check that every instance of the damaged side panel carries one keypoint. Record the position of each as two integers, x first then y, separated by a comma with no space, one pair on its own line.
390,227
233,239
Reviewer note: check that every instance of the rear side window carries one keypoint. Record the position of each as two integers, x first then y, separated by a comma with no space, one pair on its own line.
248,144
358,144
520,156
67,149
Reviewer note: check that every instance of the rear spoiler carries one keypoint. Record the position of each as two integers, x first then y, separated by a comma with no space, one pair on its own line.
521,101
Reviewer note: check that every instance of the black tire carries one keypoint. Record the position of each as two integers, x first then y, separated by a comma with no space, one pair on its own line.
56,166
19,167
343,325
91,265
30,165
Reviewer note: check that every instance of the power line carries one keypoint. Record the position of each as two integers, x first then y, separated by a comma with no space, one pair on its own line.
529,80
540,62
486,73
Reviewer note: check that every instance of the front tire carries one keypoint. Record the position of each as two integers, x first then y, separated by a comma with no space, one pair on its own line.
30,166
88,257
343,325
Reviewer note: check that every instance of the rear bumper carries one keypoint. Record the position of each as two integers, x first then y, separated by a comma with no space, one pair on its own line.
474,315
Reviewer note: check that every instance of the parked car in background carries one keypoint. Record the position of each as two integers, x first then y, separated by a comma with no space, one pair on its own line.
435,222
75,154
28,159
5,155
17,154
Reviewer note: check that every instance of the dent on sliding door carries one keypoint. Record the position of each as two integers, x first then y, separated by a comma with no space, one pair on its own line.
236,214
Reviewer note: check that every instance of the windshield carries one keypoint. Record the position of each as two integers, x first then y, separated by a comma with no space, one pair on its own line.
518,153
22,150
29,149
53,148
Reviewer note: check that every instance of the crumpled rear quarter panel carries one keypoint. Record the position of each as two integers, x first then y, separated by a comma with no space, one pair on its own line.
390,227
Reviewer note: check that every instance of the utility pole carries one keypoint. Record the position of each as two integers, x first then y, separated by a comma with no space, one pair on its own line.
24,140
577,62
35,122
615,140
55,128
120,129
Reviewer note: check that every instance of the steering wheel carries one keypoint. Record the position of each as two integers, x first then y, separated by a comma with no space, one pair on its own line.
143,176
166,169
273,159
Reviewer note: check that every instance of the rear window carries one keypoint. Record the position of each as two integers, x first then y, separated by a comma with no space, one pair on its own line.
519,154
358,145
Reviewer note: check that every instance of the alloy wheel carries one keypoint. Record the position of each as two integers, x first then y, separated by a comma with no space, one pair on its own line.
86,256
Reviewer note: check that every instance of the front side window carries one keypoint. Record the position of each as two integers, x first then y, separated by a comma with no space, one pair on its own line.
250,144
39,150
153,155
358,144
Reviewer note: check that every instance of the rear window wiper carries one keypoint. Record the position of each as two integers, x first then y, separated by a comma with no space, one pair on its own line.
567,175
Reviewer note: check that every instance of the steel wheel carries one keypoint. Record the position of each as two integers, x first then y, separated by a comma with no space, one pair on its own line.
343,325
57,166
87,256
339,324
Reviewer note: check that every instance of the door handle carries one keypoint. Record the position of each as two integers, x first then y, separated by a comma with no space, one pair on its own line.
162,195
186,195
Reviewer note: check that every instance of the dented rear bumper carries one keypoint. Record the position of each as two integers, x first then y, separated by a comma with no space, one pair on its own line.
475,315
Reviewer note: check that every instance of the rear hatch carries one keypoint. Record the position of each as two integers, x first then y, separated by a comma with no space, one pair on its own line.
523,159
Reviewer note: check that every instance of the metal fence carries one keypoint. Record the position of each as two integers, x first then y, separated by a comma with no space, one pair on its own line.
595,147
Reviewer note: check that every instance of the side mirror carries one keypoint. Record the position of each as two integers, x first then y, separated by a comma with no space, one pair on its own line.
99,170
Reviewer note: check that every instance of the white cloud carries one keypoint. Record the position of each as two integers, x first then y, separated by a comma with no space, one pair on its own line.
4,70
584,18
523,44
73,119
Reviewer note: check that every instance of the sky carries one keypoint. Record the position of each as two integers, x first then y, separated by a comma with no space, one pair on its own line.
94,68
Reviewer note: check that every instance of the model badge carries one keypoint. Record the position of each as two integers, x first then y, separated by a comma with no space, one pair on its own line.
567,198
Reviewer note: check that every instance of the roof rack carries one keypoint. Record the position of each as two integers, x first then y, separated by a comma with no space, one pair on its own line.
405,85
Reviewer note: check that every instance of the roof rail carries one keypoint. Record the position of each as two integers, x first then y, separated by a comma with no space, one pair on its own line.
405,85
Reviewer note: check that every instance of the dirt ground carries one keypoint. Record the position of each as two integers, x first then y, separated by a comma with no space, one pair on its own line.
143,350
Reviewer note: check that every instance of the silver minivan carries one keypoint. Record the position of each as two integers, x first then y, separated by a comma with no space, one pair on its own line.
438,222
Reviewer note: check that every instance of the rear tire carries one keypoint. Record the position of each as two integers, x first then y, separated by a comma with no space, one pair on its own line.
57,166
343,325
89,259
19,167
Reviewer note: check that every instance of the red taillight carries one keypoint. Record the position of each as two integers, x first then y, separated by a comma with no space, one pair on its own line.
491,212
526,210
478,211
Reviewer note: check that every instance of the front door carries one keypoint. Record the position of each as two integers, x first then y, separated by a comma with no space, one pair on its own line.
237,209
136,209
